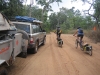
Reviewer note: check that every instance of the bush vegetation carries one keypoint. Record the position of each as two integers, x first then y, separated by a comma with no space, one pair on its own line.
94,35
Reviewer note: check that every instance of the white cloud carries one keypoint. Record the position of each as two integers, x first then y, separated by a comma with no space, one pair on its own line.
68,4
30,2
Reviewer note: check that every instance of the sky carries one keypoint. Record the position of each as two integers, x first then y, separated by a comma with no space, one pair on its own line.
67,4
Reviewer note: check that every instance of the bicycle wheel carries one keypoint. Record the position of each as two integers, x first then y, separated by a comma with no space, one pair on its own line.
90,50
76,43
81,44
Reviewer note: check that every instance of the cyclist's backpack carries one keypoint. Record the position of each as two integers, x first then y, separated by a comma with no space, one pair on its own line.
80,31
58,30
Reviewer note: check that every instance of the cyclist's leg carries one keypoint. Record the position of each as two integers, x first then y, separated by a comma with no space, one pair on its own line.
81,41
76,42
59,35
77,38
81,37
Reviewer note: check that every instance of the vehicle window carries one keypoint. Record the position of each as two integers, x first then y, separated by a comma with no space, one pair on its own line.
13,28
34,28
38,29
23,27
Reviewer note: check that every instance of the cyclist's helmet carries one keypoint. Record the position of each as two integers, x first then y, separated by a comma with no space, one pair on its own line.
58,26
78,27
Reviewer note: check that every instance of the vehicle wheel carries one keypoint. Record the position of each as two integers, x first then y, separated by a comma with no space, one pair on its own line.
24,34
11,60
44,40
36,47
3,71
24,54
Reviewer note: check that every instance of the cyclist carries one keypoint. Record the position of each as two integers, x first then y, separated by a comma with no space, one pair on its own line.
79,33
58,32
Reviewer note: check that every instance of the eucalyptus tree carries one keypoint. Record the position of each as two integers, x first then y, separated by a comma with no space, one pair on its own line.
11,7
70,19
46,5
3,5
95,6
35,11
53,20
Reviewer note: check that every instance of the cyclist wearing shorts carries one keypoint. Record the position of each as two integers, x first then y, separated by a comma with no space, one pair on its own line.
79,33
58,32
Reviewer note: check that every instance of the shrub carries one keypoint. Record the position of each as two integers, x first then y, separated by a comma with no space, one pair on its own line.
94,35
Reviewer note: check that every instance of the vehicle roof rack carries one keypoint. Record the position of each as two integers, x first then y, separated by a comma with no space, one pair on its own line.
26,19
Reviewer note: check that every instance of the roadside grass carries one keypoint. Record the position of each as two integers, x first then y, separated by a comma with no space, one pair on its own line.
93,35
71,31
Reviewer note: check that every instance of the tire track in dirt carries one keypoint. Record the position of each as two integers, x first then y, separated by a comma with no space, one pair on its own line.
53,60
69,57
17,68
39,61
59,66
85,57
83,53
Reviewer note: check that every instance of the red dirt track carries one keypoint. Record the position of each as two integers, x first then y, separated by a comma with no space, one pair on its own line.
53,60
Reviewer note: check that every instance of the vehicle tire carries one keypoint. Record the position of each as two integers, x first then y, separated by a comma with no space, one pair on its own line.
26,37
24,34
3,71
24,54
44,40
36,47
11,60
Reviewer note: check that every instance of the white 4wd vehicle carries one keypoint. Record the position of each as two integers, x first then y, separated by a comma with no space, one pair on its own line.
37,35
12,43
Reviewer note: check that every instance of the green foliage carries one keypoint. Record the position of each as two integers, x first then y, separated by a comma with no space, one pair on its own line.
46,26
94,35
36,12
11,7
95,4
69,19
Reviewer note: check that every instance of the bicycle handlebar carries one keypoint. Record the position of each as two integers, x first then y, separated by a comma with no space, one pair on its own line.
75,35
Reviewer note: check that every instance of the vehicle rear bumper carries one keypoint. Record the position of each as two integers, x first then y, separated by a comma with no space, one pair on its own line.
32,45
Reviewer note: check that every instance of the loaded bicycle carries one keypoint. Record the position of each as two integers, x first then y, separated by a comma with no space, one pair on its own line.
59,41
83,46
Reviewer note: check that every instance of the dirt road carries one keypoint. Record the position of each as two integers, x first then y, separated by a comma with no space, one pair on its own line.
53,60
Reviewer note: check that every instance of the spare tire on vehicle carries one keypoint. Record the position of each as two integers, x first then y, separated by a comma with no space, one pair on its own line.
24,34
26,37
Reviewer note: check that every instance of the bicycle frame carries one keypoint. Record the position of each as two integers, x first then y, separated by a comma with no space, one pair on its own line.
80,42
84,47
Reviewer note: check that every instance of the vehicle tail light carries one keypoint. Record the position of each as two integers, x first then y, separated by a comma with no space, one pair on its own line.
31,40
